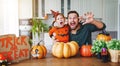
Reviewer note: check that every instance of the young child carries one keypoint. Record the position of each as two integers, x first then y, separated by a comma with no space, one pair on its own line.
59,30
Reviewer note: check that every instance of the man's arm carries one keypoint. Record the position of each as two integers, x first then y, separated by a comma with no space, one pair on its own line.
98,24
89,18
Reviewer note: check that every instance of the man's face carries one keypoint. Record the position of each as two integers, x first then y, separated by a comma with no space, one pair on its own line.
73,20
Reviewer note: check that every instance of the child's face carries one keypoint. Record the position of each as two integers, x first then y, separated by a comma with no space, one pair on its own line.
60,20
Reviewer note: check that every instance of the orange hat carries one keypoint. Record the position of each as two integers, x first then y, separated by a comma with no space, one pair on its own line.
55,13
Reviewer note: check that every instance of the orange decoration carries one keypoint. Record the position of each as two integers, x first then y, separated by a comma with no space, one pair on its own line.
14,48
46,16
38,51
104,36
85,50
65,50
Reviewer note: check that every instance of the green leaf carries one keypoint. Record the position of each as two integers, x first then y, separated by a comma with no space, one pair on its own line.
38,26
98,45
114,44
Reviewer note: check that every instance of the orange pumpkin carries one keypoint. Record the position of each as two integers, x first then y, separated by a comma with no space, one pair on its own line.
85,50
38,51
104,36
65,50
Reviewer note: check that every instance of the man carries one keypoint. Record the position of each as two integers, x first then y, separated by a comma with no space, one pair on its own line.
81,28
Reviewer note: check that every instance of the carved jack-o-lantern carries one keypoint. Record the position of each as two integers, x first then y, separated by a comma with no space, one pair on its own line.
38,51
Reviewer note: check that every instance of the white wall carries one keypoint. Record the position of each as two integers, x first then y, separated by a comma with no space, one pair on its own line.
9,17
1,16
25,9
83,6
9,13
110,13
118,19
105,9
52,4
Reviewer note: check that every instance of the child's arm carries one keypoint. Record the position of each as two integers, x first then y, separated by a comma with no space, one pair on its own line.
51,31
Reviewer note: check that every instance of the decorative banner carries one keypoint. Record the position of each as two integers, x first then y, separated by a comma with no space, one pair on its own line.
14,48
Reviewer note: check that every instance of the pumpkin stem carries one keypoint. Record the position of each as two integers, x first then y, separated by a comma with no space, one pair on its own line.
40,42
105,32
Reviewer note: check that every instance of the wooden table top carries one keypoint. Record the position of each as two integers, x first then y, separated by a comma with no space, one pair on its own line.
49,60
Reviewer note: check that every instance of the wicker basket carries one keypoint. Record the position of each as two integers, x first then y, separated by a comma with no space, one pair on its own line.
114,55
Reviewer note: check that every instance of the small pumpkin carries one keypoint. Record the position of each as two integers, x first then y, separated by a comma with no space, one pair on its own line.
66,50
38,51
104,36
85,50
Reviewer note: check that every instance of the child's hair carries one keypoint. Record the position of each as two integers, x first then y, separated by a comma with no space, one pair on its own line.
59,14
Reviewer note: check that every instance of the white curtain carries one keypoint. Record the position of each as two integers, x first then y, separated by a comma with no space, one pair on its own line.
9,17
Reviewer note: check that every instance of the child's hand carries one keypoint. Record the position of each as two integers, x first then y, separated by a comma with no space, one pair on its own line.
53,37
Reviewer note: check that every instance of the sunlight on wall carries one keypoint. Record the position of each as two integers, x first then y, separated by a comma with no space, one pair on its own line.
9,20
1,16
25,9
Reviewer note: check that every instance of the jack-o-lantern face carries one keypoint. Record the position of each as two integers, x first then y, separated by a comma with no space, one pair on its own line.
38,51
35,52
62,34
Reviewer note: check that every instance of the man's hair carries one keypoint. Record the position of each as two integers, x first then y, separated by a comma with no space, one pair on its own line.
72,12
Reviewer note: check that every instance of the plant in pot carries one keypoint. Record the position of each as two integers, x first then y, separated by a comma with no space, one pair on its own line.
114,49
97,47
38,29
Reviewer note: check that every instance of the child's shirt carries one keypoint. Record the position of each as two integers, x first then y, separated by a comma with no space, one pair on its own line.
61,34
